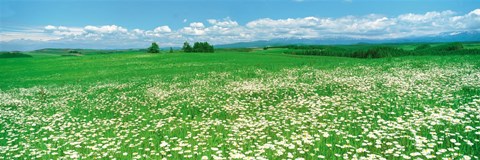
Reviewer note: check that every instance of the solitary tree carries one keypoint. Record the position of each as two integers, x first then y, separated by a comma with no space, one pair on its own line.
153,48
171,50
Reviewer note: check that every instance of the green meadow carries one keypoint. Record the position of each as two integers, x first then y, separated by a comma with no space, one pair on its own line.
272,103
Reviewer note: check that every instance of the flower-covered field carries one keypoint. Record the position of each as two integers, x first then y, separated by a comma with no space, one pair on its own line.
239,106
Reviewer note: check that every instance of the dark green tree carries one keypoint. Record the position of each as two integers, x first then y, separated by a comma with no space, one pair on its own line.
202,47
210,48
186,47
196,47
153,48
171,50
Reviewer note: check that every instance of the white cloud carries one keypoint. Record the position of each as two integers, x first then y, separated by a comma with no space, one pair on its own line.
163,29
105,29
370,26
64,31
197,25
193,31
11,36
138,31
226,30
225,23
429,16
50,27
475,12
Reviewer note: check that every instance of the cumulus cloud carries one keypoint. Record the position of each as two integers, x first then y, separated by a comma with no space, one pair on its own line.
50,27
197,25
226,30
429,16
475,12
163,29
105,29
193,31
370,26
225,23
12,36
63,31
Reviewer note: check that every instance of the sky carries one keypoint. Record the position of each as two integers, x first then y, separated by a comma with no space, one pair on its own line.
108,24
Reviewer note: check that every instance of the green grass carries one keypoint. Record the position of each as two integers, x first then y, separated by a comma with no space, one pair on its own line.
239,103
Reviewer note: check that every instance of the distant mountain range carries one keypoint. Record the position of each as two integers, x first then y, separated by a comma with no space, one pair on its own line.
445,37
29,45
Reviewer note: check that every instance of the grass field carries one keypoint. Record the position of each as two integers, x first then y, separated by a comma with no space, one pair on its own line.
261,104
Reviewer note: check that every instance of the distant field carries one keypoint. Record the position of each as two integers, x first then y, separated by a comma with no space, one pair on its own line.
239,104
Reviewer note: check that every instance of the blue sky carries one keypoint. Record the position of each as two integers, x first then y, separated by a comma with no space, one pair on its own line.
130,24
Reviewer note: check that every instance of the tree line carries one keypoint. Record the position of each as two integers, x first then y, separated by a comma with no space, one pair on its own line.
379,51
204,47
198,47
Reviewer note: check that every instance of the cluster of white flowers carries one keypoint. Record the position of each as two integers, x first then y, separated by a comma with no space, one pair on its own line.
362,112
